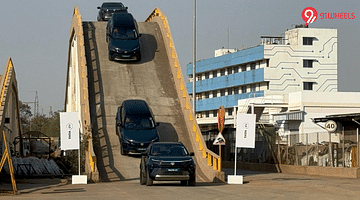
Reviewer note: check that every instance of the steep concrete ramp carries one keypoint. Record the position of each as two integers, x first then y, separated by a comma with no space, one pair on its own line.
111,82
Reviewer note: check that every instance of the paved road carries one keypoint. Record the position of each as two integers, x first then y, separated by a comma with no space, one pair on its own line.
111,82
257,186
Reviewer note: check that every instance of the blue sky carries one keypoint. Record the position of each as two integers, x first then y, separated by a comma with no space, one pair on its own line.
35,35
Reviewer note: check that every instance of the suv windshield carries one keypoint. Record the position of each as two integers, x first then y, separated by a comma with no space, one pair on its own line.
124,34
112,5
135,123
168,150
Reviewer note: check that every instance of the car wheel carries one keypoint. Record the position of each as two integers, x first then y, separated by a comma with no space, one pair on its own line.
138,58
142,178
110,57
149,181
192,180
122,151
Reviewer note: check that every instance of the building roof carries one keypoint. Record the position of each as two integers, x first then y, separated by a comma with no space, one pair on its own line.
339,117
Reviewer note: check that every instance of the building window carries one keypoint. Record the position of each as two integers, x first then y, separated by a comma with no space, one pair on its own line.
229,70
308,40
214,74
207,114
229,91
253,66
215,113
222,92
214,94
236,69
230,111
222,72
308,63
308,85
243,89
243,68
253,88
236,90
207,75
207,95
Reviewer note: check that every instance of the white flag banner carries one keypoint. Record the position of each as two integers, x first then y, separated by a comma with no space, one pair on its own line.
69,130
245,130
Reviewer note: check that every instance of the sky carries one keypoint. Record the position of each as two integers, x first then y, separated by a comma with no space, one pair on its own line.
35,34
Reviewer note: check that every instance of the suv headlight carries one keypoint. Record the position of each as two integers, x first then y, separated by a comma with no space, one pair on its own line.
136,48
127,140
155,139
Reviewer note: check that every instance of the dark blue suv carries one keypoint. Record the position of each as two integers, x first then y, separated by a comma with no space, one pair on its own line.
107,9
135,126
123,37
167,161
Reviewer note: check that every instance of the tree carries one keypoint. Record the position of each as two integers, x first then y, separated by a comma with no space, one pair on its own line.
25,116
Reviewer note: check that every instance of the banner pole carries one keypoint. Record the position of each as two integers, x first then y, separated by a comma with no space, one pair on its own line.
235,160
219,167
79,152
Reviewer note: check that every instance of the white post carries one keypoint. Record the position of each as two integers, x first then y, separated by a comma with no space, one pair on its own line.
235,160
79,155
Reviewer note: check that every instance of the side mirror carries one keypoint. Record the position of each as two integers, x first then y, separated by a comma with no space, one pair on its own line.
192,154
98,8
140,34
126,7
157,124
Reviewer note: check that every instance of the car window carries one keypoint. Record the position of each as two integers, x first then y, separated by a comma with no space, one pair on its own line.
168,150
124,34
112,5
139,123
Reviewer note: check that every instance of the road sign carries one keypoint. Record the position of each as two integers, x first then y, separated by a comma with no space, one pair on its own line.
219,140
330,126
221,118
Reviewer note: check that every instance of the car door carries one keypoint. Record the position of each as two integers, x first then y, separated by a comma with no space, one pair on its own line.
118,121
108,29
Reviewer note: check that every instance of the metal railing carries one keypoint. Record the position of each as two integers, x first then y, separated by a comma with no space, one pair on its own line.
6,155
308,149
211,158
85,113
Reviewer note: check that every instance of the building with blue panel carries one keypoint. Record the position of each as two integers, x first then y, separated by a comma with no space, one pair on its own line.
303,60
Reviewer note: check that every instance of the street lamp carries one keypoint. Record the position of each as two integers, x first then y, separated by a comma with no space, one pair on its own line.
194,60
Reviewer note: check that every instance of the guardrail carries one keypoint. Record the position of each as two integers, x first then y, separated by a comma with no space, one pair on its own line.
5,87
210,159
77,31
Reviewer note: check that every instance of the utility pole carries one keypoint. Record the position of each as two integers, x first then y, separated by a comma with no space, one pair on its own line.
36,106
194,61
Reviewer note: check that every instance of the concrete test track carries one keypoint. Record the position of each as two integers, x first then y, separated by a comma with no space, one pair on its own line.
112,82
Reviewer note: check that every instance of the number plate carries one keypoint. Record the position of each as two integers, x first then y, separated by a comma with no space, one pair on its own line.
141,149
172,169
